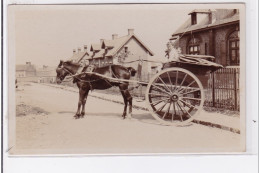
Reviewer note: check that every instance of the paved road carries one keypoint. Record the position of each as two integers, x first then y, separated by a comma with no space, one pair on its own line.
103,130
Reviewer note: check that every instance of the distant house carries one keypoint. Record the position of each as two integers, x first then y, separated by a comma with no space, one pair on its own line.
211,32
25,72
80,56
46,74
121,50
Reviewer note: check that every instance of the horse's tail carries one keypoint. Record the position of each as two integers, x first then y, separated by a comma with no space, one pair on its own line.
131,70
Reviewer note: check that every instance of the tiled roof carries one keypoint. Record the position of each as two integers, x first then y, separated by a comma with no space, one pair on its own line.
219,17
25,67
77,57
95,47
113,46
99,54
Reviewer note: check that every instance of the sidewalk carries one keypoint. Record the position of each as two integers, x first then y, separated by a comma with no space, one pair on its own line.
211,119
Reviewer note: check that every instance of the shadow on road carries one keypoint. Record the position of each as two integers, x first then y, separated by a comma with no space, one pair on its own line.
141,117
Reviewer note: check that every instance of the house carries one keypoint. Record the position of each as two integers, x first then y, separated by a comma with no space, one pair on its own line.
80,56
121,50
211,32
25,72
46,74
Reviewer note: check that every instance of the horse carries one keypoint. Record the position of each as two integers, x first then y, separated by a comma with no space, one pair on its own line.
86,82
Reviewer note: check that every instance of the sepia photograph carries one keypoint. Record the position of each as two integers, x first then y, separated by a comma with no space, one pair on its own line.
126,79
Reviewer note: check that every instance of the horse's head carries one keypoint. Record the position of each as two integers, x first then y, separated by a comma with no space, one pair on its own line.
61,72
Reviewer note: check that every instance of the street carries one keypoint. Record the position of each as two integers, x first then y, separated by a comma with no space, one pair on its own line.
49,128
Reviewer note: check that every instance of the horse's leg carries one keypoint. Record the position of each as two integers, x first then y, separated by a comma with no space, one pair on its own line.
130,101
81,98
121,87
84,103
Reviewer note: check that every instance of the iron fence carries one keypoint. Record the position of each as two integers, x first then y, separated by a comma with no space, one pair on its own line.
223,89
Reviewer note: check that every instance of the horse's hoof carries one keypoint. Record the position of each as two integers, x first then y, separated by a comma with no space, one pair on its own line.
76,116
129,117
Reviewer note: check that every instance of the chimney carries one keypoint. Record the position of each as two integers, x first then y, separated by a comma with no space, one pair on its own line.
101,41
85,47
79,49
130,31
114,36
74,51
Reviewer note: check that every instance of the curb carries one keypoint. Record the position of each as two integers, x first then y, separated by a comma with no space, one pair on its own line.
205,123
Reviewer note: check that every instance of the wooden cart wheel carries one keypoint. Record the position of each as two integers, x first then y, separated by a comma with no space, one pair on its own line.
174,96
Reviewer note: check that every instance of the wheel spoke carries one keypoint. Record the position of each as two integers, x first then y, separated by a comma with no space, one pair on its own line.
161,108
190,98
155,94
182,90
169,80
182,81
167,110
188,104
174,110
191,91
158,101
186,111
162,90
164,84
176,81
181,110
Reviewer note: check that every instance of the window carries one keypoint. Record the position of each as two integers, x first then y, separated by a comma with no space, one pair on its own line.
194,47
193,19
126,49
233,48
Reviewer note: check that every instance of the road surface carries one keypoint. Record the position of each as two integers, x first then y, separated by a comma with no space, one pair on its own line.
46,126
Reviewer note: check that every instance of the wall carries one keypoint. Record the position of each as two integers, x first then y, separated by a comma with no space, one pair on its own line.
203,37
137,52
20,74
220,50
221,47
27,79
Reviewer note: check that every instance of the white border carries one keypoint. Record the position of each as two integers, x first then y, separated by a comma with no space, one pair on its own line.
183,163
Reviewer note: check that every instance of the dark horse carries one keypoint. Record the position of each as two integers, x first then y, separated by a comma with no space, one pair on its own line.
86,82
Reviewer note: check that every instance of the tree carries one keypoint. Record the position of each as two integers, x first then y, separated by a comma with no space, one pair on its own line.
122,55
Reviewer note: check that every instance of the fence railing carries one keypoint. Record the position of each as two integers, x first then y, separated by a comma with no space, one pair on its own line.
223,89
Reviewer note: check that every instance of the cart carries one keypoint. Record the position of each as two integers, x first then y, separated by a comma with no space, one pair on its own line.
175,95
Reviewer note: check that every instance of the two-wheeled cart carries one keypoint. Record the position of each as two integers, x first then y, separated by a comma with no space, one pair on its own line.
175,95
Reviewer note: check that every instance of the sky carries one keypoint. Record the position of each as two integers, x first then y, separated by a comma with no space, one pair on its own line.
45,34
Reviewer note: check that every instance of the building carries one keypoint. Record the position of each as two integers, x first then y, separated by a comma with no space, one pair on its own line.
46,74
25,72
121,50
211,32
80,56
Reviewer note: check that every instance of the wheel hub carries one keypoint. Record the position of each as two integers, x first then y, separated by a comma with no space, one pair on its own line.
174,97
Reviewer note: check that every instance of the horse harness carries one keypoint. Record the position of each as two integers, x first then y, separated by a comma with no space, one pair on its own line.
90,69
